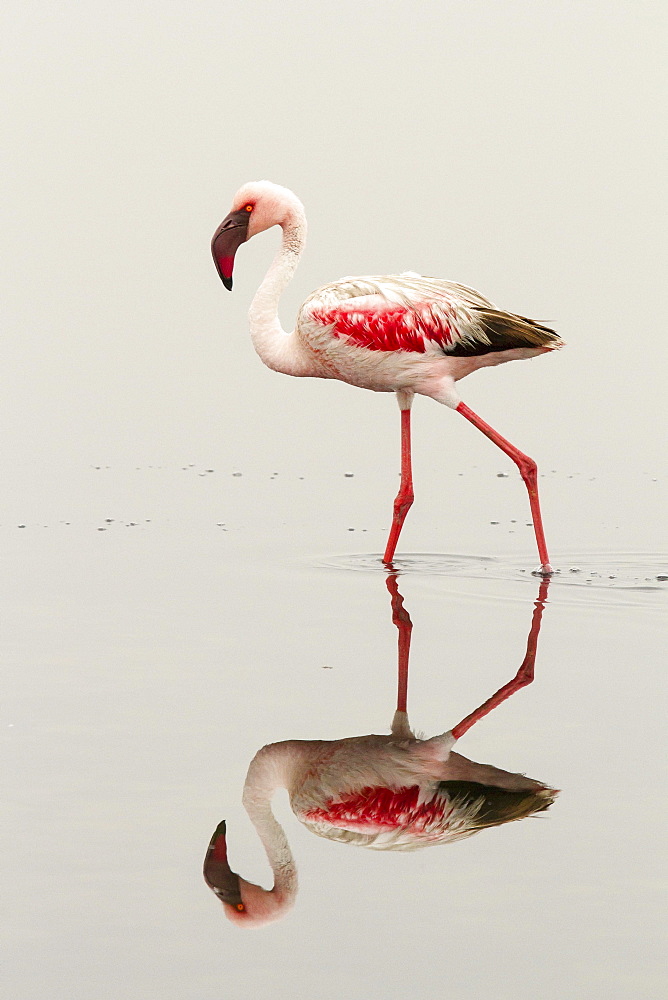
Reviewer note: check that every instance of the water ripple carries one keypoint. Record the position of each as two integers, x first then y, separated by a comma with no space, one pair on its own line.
623,571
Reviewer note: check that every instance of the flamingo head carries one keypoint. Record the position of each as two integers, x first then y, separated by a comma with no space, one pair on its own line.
245,904
257,206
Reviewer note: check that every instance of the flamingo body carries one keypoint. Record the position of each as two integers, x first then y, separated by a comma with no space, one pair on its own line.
430,333
392,792
401,333
389,793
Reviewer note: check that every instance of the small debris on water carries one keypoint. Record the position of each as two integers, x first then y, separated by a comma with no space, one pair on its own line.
348,475
502,475
21,525
101,529
109,520
575,569
237,474
325,667
351,529
662,577
210,470
494,522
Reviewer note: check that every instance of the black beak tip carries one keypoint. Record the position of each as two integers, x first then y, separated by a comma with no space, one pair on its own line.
221,829
228,283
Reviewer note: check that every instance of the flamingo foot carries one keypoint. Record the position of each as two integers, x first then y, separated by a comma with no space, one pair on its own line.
401,507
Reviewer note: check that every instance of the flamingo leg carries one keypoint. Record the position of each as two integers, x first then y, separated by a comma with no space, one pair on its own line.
404,497
402,620
523,676
528,471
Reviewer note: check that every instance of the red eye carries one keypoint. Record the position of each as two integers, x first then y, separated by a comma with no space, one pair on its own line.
248,208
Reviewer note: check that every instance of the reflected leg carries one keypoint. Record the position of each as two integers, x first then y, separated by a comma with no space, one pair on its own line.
402,620
523,676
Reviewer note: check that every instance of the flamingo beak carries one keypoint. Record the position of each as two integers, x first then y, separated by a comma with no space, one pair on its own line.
217,872
231,233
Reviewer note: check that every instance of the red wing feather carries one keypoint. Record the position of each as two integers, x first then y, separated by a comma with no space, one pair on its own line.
382,808
386,327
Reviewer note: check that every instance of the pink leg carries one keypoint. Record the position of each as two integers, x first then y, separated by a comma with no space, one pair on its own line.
523,676
404,497
528,471
402,620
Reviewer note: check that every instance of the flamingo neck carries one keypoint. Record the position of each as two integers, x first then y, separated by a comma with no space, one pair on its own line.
278,349
270,769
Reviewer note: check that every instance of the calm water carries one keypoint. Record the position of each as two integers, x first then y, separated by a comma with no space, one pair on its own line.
158,630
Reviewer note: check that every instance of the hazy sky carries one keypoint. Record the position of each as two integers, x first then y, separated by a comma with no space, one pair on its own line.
517,147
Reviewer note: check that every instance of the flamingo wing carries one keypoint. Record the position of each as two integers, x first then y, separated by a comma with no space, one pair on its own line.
406,818
408,312
382,818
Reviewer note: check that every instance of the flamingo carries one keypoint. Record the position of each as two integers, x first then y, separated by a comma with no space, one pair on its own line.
401,333
395,792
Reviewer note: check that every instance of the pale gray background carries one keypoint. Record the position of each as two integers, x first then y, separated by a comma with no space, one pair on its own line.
517,147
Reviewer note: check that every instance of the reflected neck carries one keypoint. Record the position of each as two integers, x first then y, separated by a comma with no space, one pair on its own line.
272,768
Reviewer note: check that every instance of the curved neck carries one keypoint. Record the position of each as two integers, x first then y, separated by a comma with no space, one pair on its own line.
271,768
278,349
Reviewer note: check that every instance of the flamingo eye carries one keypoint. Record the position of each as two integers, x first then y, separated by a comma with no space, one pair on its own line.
248,208
240,907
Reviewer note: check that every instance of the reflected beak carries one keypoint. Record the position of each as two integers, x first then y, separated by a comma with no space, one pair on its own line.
231,233
217,872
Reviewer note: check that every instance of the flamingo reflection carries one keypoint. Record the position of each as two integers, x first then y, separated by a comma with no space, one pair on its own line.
395,792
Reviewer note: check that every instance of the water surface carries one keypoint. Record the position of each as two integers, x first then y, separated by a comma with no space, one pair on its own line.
159,632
